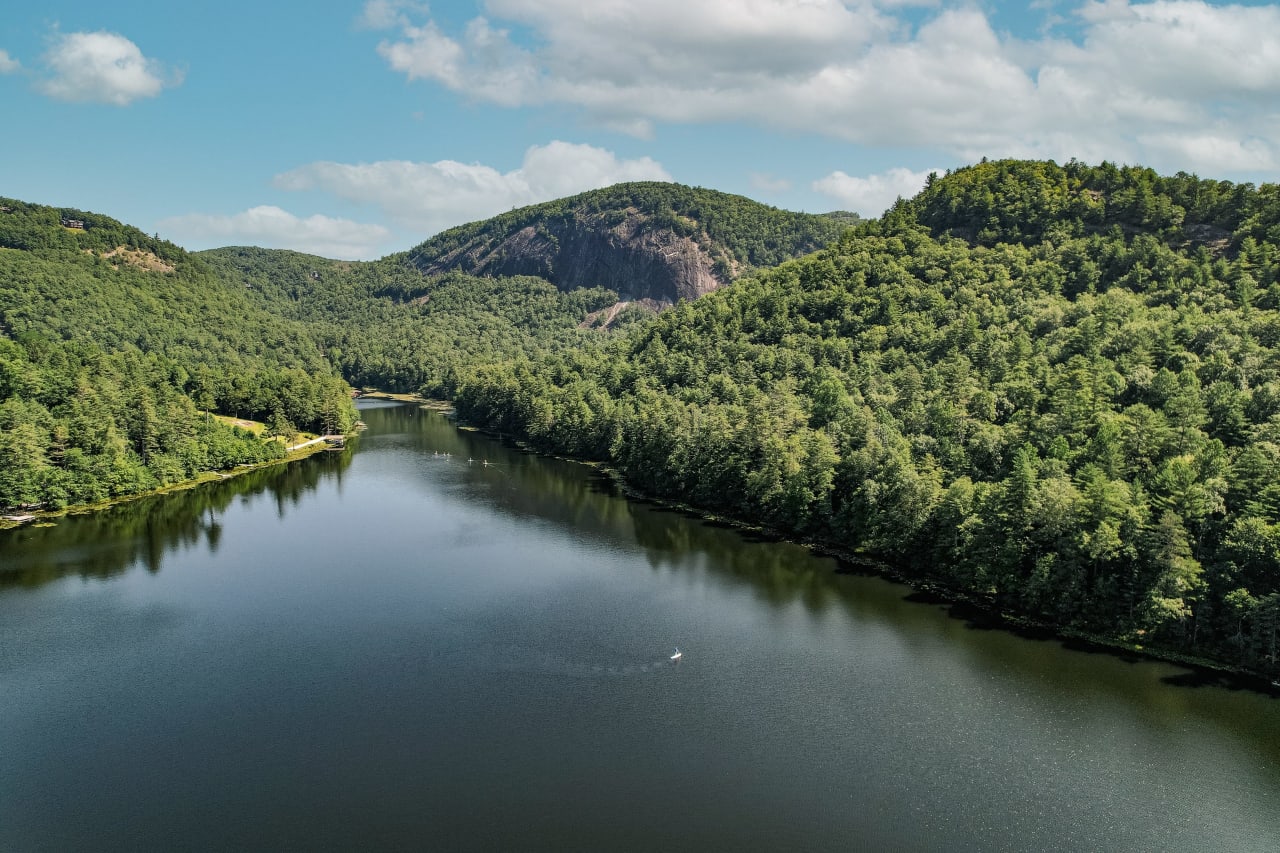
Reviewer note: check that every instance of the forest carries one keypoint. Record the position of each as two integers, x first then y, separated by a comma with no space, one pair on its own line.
1052,389
386,325
116,347
738,231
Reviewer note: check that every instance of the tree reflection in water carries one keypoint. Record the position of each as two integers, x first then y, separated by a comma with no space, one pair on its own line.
107,542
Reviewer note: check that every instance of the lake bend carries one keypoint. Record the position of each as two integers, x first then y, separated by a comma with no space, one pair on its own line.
435,641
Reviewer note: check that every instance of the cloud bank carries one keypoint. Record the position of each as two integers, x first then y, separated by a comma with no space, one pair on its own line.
274,228
428,197
874,194
1176,83
423,198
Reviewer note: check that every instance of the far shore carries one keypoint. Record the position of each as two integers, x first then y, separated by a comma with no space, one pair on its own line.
966,605
293,453
425,402
308,445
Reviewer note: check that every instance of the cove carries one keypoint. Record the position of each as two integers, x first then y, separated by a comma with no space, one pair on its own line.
394,648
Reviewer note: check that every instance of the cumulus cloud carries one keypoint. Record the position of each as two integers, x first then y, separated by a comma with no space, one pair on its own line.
874,194
1212,151
275,228
103,67
1129,78
629,63
488,67
7,63
429,197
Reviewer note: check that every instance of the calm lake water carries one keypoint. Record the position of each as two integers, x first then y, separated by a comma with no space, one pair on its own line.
390,648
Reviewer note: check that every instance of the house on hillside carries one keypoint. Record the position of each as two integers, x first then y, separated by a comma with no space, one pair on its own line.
77,224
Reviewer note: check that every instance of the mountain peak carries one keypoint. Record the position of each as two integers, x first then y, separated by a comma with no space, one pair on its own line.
659,242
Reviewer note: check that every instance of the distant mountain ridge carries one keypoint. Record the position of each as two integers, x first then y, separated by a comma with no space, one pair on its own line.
658,242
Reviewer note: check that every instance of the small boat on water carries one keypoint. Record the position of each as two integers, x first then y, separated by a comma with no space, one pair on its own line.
679,654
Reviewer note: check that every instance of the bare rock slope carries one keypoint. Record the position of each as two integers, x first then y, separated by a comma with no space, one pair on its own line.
655,242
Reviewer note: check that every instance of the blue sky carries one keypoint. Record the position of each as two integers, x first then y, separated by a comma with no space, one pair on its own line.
353,129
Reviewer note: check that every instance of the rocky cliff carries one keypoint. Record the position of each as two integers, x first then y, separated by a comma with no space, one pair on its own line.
635,258
659,243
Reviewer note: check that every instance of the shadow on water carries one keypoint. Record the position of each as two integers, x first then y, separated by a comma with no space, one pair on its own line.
977,618
1029,661
585,504
106,542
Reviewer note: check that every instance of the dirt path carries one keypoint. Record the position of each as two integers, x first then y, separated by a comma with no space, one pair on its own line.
294,447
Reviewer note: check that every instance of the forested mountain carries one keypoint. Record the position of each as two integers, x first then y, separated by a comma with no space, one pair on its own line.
1053,388
111,342
523,283
653,241
386,324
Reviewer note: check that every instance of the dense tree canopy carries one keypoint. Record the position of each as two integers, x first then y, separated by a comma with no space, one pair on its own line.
387,325
111,344
1053,388
738,230
1057,388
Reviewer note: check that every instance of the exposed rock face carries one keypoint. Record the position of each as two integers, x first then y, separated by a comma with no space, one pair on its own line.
634,258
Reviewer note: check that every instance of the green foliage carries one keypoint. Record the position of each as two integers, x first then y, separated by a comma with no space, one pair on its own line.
1055,388
1016,201
105,364
37,228
84,426
387,325
734,228
1074,412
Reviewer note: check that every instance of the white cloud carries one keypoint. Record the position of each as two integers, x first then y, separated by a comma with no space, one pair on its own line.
274,228
7,63
488,67
103,67
1132,77
874,194
1213,152
429,197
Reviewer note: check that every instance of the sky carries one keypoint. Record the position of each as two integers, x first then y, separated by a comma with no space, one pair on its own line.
355,129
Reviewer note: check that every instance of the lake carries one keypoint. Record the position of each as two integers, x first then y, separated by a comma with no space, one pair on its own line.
395,648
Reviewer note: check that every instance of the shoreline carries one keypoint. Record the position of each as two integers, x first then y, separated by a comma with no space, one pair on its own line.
967,606
961,605
433,404
44,516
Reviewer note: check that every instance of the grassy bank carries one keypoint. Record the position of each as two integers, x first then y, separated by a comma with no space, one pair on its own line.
46,516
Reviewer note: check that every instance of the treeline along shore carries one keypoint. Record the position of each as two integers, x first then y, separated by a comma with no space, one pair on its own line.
115,347
1053,389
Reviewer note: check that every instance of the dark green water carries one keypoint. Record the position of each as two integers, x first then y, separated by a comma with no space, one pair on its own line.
390,649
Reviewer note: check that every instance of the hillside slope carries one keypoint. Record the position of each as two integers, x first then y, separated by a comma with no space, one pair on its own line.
388,325
1053,389
110,342
651,241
